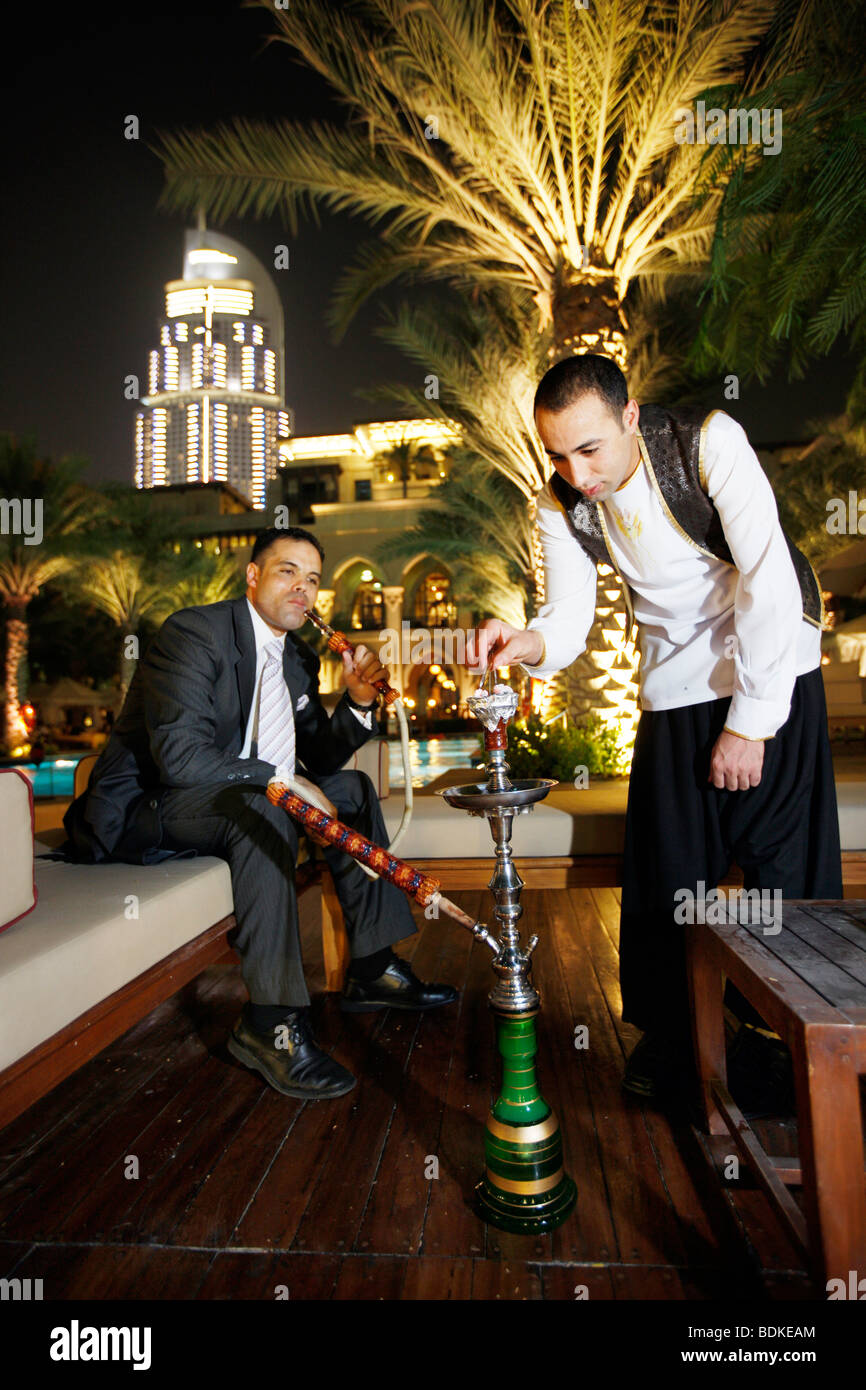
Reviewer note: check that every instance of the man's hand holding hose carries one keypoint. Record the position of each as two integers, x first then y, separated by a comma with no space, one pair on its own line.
496,643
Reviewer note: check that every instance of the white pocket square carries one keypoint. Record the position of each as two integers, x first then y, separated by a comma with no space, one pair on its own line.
303,701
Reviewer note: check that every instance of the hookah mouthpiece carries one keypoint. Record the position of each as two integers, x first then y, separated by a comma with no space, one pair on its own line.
339,643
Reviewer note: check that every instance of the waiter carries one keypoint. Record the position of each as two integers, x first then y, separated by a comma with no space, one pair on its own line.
732,758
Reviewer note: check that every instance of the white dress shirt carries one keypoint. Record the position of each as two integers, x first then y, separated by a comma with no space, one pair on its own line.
706,629
263,637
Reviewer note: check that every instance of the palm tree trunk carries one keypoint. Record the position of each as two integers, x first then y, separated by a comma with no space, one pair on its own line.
126,666
588,317
16,656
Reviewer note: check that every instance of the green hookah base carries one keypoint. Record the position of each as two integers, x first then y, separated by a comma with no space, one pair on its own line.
524,1188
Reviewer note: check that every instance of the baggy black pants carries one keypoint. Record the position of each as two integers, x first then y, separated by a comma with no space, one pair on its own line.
260,843
681,831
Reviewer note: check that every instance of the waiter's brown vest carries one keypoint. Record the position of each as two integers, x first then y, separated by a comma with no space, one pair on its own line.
672,446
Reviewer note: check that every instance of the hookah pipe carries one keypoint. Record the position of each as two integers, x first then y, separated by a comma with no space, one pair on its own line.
373,859
378,862
338,642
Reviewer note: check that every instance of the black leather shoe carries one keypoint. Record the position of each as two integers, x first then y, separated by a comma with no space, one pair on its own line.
660,1067
396,988
289,1060
760,1075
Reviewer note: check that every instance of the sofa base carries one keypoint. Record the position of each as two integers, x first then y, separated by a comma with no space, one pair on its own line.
39,1071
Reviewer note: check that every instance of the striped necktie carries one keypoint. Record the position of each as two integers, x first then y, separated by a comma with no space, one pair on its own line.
276,723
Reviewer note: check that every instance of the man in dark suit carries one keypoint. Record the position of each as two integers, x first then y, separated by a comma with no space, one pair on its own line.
219,684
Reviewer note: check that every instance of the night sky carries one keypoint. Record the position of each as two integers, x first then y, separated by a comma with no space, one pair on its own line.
87,252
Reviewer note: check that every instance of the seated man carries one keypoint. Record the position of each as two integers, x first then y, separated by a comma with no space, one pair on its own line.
225,693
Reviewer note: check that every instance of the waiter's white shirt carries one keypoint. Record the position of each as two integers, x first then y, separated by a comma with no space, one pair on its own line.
706,629
263,637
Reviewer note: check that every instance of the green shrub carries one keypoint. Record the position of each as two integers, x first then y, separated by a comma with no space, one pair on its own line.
536,750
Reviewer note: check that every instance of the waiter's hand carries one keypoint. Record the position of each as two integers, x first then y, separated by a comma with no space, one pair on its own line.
359,674
736,762
494,641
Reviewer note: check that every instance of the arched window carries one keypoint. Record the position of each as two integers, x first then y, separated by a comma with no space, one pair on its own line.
433,603
368,610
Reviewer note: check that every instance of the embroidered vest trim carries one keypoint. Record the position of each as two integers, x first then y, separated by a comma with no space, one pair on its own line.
672,443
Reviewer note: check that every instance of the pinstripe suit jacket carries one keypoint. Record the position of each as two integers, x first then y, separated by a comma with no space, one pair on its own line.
183,724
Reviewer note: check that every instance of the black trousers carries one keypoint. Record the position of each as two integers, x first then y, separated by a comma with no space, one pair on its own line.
260,843
681,830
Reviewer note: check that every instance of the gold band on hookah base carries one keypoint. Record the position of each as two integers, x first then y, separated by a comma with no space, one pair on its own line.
524,1189
523,1134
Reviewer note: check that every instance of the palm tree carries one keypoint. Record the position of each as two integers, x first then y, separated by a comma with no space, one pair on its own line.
66,506
476,523
523,144
486,358
788,274
213,579
524,141
407,458
138,571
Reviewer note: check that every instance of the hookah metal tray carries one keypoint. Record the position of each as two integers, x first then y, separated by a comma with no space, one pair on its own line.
476,796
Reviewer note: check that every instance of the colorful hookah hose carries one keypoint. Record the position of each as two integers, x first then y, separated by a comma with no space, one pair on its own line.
414,884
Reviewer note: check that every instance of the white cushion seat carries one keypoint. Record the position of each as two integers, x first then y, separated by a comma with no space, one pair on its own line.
77,946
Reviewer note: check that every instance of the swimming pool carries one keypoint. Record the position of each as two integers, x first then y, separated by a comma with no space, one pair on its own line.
54,777
432,756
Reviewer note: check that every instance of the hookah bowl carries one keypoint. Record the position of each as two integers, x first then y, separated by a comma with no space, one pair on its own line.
524,1188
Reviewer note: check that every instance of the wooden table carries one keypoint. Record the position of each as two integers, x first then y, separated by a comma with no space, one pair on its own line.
808,980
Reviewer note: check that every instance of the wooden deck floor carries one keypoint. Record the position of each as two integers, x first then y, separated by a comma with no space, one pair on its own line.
241,1189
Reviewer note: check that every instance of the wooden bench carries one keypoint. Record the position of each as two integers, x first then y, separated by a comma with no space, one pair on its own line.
808,980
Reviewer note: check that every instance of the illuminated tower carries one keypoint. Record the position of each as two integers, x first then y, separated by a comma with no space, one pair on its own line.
215,404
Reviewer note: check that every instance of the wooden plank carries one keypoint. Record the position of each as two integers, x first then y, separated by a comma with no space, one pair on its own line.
230,1185
451,1227
632,1185
815,970
263,1275
704,1218
814,932
787,1168
397,1207
831,1148
334,1214
438,1278
36,1189
174,1149
371,1277
505,1279
776,991
103,1272
11,1254
746,1141
273,1215
847,920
